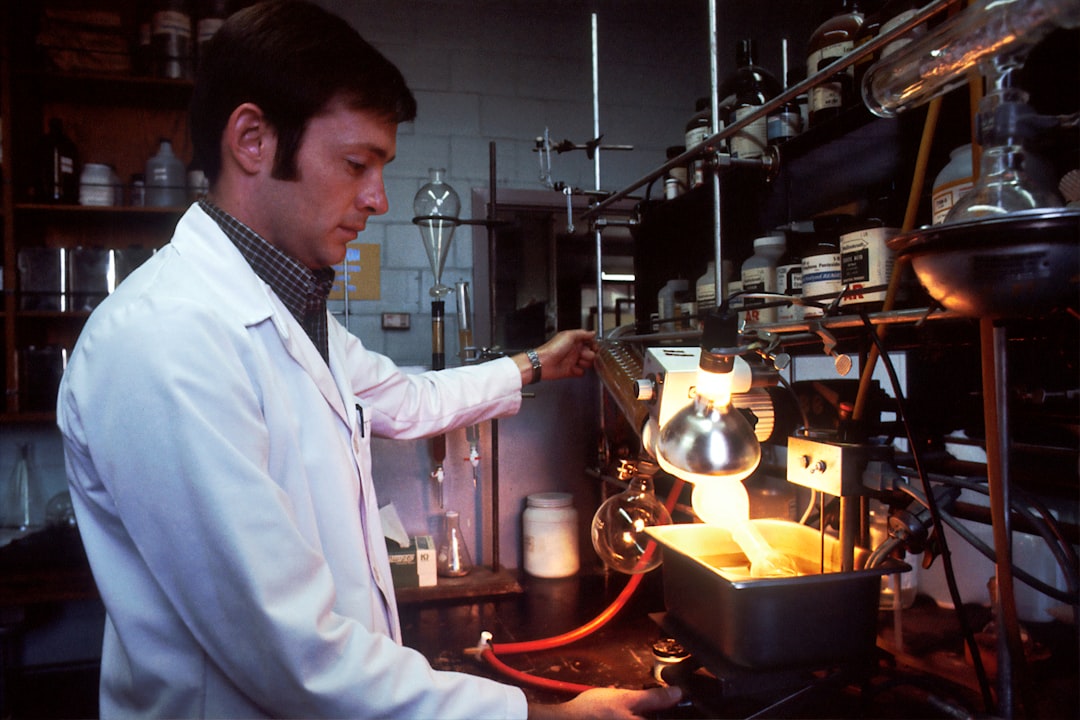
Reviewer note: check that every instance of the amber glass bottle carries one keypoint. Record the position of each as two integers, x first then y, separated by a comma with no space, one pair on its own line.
831,40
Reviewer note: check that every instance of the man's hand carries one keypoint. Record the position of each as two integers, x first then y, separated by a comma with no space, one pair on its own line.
568,354
609,703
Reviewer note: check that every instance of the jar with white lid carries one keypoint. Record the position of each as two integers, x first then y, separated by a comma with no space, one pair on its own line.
96,185
550,535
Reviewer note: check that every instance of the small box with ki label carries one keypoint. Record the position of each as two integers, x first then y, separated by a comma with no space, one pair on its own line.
413,565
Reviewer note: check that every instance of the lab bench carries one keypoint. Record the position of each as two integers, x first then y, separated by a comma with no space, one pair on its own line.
927,677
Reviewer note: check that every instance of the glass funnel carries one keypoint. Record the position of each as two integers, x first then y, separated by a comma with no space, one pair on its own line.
618,527
436,208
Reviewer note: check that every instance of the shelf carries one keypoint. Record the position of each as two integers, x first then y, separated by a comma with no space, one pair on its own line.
95,211
480,582
100,89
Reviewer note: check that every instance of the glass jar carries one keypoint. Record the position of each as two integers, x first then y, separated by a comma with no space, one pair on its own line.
549,529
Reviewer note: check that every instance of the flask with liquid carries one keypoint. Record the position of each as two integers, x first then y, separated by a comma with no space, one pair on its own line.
22,504
166,179
58,180
745,91
833,39
759,276
452,557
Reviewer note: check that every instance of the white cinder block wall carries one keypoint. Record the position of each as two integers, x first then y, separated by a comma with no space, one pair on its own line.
502,71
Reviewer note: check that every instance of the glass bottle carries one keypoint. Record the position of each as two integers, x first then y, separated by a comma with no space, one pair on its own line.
58,179
22,504
789,281
821,270
142,53
210,16
618,527
452,558
743,92
436,207
166,179
833,39
698,128
759,276
785,122
171,41
865,257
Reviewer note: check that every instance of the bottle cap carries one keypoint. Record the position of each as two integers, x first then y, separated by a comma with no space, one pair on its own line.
770,241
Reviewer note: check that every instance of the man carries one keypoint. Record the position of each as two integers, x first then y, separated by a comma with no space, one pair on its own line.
217,424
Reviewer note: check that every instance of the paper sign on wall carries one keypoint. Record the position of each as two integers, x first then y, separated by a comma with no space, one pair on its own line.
358,276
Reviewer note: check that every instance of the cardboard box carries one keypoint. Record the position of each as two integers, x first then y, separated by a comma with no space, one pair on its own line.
412,566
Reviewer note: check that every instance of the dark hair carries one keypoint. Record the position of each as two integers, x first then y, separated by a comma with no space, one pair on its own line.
291,58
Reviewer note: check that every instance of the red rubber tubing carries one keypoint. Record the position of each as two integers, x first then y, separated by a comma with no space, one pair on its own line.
536,681
490,653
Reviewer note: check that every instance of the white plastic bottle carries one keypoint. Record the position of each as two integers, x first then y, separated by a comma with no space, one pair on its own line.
952,183
166,179
789,282
669,303
550,534
759,276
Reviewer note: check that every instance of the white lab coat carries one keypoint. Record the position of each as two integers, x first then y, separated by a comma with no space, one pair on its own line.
221,478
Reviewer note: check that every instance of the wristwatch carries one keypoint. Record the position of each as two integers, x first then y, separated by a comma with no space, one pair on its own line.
534,358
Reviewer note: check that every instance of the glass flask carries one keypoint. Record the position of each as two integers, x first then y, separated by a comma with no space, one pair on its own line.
618,527
452,558
436,207
22,505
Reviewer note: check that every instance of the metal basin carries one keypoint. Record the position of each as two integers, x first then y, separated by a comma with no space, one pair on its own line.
1013,265
811,620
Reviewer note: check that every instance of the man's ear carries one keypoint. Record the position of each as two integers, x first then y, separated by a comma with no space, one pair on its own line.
248,140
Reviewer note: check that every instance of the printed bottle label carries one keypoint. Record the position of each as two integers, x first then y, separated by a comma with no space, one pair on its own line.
751,140
945,196
866,262
789,282
828,94
821,280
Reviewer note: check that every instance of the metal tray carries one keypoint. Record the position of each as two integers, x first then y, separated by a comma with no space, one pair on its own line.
810,620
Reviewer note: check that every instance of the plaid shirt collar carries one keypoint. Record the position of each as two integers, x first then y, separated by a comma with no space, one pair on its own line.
302,290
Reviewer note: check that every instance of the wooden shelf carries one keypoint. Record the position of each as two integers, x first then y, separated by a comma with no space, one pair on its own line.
480,582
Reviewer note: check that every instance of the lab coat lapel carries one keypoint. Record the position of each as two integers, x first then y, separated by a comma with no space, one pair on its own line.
374,541
303,351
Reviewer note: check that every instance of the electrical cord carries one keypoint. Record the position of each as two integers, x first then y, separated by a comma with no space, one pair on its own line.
1068,597
490,652
935,515
1045,525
